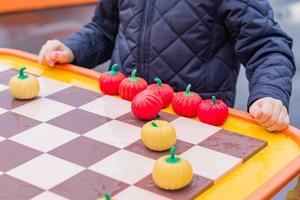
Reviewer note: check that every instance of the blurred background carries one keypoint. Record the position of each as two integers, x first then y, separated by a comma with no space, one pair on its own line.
29,30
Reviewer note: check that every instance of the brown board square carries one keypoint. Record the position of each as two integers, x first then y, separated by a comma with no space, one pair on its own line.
9,102
6,75
198,185
83,151
79,121
139,148
13,154
14,189
234,144
13,123
74,96
88,185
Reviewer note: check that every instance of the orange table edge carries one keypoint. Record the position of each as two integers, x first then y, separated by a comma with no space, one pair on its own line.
21,5
265,191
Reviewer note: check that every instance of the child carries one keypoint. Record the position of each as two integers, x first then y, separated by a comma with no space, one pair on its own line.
191,41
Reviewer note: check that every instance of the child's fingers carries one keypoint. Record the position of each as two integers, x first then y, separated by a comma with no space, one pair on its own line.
60,56
277,109
280,122
252,110
49,60
266,112
285,124
45,53
54,58
54,55
287,119
258,113
42,59
255,110
55,52
270,113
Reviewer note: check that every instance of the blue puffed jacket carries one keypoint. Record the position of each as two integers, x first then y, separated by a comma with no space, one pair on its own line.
202,42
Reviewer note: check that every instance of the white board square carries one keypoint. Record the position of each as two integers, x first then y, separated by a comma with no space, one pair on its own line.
133,192
48,196
43,109
44,137
193,131
108,106
45,171
210,164
124,166
115,133
50,86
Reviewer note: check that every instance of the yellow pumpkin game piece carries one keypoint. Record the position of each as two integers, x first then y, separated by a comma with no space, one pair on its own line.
172,172
158,135
24,86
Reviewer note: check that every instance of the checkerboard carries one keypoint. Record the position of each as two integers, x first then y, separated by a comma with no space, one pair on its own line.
72,143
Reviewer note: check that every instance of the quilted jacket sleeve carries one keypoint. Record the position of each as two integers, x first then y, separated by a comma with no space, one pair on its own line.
262,47
94,43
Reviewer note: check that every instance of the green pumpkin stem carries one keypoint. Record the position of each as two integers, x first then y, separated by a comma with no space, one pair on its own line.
172,152
133,73
188,90
107,196
158,82
113,70
133,77
213,100
22,75
172,158
154,124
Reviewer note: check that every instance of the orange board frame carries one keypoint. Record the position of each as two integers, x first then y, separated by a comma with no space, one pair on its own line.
23,5
265,191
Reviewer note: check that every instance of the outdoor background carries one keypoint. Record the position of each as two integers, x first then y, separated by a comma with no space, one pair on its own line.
28,31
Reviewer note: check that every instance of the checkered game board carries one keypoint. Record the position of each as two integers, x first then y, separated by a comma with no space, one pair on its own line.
71,143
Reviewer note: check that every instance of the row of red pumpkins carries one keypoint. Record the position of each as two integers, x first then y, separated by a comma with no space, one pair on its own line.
148,100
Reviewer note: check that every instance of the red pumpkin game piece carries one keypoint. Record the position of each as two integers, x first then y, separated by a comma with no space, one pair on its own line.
146,105
213,111
131,86
186,103
165,91
109,81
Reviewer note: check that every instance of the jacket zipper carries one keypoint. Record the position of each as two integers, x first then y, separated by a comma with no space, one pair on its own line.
145,27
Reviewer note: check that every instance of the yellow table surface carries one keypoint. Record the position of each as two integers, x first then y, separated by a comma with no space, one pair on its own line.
254,175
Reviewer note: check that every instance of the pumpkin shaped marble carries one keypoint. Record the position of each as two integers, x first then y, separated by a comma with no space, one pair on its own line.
24,86
172,172
165,91
158,135
131,86
109,81
186,103
146,105
213,111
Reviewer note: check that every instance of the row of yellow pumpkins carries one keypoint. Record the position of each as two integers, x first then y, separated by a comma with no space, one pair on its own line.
170,172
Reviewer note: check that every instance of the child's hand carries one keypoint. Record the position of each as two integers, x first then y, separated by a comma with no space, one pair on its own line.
270,113
54,52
